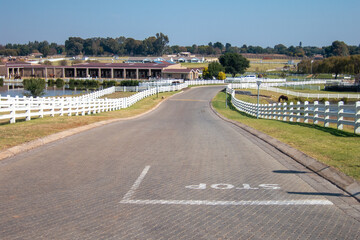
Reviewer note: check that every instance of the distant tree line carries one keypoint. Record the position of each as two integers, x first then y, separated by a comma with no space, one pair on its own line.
32,47
335,64
158,45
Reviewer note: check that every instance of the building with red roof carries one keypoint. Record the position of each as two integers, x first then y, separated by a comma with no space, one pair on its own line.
139,71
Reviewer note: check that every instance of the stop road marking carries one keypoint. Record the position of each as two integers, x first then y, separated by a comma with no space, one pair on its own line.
225,186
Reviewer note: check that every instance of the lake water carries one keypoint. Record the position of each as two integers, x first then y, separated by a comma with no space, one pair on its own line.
48,93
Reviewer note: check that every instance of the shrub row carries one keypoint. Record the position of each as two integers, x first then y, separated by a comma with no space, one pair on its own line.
342,88
129,83
59,83
83,84
1,82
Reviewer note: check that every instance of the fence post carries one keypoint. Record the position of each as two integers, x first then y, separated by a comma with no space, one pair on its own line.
291,113
274,111
70,105
298,114
340,117
306,112
77,107
62,107
316,112
28,109
284,113
280,111
41,112
52,110
357,118
12,110
82,106
327,114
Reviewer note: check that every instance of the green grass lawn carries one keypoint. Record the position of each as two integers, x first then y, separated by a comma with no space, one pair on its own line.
194,65
333,147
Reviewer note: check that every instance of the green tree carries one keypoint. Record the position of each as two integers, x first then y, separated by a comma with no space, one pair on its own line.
234,63
160,43
74,46
213,70
44,48
337,48
35,86
280,49
51,82
1,82
60,83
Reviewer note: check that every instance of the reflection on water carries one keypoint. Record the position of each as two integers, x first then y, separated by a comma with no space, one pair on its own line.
48,93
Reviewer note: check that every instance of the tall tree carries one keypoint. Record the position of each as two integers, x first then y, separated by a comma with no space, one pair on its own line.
160,43
337,48
212,71
74,46
234,63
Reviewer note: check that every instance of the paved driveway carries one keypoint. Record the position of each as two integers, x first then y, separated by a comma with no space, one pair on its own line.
179,172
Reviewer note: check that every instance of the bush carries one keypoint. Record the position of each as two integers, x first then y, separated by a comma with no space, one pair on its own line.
1,82
35,86
93,84
81,84
47,62
343,88
51,83
221,76
63,63
107,84
60,83
129,83
76,61
323,100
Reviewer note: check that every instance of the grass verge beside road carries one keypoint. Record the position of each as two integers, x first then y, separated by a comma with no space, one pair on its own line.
25,131
335,148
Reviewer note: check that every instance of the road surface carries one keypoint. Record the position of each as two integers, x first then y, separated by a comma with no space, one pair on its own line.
179,172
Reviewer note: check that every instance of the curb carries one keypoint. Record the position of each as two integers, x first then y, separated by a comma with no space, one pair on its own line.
342,181
60,135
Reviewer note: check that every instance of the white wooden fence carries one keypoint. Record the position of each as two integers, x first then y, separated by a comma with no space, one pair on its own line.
204,82
313,95
306,112
271,86
14,108
248,80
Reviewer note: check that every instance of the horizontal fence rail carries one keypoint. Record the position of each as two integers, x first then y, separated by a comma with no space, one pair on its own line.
313,95
271,86
13,108
253,80
306,112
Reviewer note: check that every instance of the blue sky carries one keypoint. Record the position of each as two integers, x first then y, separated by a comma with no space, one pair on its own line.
186,22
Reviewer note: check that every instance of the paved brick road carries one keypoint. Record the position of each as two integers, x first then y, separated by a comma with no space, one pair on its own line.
179,172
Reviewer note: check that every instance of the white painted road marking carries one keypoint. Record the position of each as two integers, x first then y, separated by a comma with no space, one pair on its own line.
135,186
230,203
225,186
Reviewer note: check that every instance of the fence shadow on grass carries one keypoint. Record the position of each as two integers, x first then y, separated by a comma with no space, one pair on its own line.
332,131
